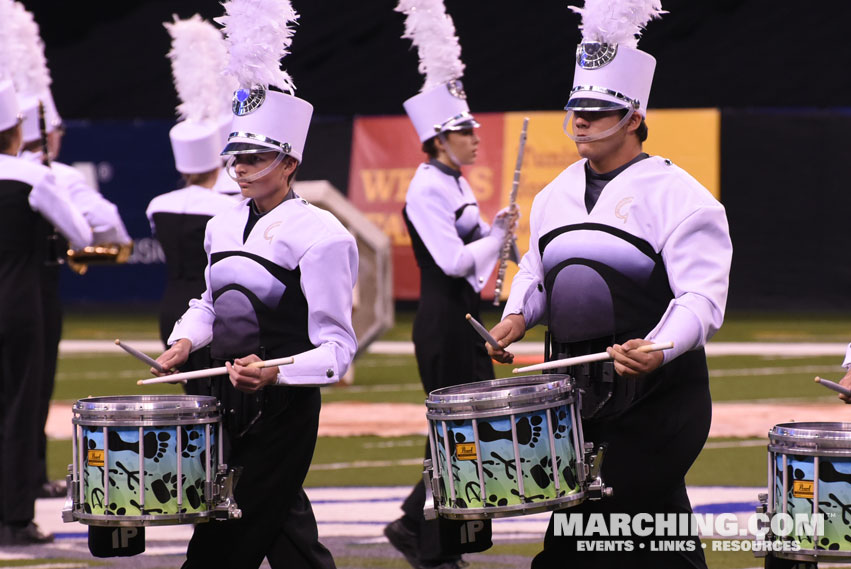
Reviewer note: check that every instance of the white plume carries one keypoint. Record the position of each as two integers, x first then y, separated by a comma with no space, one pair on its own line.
199,57
432,31
22,51
616,21
259,35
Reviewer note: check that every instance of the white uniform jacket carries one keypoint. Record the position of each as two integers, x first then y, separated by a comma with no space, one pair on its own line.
289,282
191,200
100,213
48,198
653,216
445,215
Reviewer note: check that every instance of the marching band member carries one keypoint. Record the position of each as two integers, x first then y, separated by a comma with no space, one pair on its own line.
178,218
455,250
625,249
42,129
279,283
32,201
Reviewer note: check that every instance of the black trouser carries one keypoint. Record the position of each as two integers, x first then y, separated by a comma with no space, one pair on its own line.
277,520
650,448
52,313
449,352
21,361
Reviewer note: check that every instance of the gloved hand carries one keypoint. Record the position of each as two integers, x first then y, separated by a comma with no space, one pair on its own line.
505,219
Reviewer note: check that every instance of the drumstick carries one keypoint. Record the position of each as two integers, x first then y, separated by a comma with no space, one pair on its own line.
139,355
483,332
834,386
599,357
201,373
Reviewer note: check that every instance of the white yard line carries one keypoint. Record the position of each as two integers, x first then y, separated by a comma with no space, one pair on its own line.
520,348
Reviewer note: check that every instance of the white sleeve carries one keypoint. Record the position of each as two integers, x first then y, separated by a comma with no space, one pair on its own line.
328,275
101,214
697,257
53,203
435,224
847,363
196,324
527,296
149,213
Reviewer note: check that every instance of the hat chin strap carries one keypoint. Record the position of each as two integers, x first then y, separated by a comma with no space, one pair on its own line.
567,127
449,153
230,168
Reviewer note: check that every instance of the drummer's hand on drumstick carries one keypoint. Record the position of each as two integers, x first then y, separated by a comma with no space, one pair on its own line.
845,382
173,357
630,362
511,329
250,379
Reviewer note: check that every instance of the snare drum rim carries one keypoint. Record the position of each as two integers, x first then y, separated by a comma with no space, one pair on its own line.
811,438
113,520
145,410
506,393
512,510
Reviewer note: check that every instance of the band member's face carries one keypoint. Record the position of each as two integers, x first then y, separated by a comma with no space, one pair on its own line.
463,145
275,180
592,123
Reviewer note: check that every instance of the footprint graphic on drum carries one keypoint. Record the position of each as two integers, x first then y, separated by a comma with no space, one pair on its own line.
528,431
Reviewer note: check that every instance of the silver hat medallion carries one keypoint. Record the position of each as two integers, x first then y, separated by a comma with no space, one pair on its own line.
594,55
245,101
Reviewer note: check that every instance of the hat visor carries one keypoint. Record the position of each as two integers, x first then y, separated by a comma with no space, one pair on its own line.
599,102
239,145
463,124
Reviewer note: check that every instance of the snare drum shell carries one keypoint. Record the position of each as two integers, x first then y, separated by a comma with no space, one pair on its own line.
477,419
160,456
797,449
164,480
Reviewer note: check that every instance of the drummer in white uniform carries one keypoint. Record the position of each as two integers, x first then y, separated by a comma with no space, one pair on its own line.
625,249
279,280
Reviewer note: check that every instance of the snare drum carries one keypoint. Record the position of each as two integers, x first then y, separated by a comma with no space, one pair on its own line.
505,447
809,472
148,460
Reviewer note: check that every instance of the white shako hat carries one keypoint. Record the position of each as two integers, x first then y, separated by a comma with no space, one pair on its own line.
9,115
440,109
196,146
266,120
611,72
22,60
441,105
198,59
259,34
31,122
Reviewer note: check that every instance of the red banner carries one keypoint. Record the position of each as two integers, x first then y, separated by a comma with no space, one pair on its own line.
385,155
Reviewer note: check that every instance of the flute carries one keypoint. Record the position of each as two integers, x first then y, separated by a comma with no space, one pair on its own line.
508,242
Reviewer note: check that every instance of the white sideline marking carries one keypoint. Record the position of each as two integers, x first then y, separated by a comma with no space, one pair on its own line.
523,348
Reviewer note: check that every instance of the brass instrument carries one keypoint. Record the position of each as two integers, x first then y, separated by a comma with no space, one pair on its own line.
100,254
80,259
508,242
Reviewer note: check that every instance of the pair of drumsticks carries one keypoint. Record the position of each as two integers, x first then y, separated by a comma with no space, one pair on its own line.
566,362
197,374
603,356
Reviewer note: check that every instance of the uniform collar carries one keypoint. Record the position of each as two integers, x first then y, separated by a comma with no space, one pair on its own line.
444,168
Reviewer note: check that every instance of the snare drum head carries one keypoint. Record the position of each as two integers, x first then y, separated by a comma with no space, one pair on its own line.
145,404
508,393
810,437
